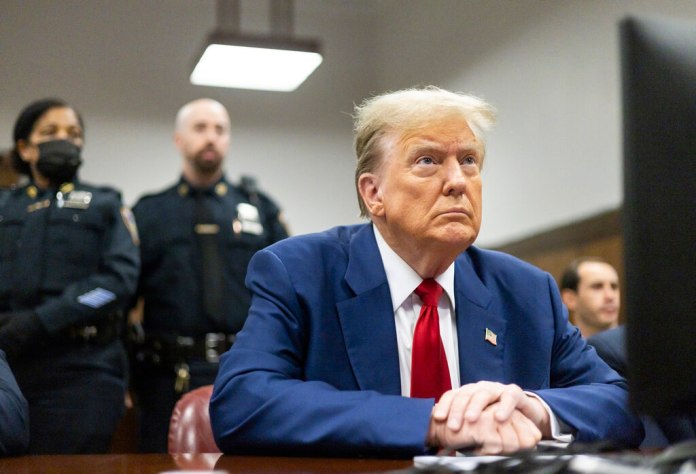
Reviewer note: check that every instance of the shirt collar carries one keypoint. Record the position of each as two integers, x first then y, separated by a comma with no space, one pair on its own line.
219,188
403,279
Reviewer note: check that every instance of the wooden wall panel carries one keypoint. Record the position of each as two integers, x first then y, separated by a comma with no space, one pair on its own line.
553,250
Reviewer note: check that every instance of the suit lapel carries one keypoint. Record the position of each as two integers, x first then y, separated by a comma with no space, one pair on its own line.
369,332
479,358
367,319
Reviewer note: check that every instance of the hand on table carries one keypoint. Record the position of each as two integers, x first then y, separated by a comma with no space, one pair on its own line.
494,417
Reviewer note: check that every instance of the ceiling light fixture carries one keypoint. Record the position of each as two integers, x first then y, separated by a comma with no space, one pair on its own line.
276,62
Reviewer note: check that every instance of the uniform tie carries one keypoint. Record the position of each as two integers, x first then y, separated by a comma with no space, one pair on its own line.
207,233
429,371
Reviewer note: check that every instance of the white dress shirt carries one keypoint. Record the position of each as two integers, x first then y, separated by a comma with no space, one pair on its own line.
403,281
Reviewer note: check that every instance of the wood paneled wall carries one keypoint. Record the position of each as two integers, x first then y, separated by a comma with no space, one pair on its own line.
600,235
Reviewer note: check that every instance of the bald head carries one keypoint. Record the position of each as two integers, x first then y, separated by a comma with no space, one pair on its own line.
205,106
202,135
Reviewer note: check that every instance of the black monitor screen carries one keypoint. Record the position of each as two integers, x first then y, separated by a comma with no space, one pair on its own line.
659,221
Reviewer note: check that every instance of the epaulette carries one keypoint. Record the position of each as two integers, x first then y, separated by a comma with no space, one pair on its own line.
109,190
154,194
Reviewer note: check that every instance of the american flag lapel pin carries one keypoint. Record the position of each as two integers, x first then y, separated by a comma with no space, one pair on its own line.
491,337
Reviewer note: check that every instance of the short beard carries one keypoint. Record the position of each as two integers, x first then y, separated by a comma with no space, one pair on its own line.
206,167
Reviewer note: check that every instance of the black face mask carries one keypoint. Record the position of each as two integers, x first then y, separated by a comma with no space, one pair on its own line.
58,160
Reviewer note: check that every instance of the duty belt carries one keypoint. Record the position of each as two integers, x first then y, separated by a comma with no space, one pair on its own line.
103,332
175,349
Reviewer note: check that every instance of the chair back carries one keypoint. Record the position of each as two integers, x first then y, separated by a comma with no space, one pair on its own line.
189,426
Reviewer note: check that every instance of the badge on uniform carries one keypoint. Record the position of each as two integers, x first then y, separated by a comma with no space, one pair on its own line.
248,219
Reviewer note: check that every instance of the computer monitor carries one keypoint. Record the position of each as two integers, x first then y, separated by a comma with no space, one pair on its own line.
659,217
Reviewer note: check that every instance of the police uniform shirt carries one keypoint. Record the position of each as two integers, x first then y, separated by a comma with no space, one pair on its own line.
70,254
170,279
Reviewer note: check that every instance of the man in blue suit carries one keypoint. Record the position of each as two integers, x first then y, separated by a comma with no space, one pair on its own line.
331,358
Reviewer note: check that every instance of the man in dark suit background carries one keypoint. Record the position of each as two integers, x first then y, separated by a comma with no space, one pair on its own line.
660,431
590,289
399,337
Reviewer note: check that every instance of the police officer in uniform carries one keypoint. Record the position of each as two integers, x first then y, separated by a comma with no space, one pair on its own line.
68,269
197,238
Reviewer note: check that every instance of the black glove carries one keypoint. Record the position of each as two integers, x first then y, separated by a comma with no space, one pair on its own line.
17,330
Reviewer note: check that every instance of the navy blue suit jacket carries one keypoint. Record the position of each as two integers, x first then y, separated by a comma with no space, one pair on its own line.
14,413
315,370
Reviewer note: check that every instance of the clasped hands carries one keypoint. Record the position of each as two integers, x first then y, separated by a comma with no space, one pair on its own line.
490,417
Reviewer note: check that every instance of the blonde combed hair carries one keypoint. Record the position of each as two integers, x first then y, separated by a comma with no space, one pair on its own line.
407,110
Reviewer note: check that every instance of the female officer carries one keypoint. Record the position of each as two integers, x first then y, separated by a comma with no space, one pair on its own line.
68,266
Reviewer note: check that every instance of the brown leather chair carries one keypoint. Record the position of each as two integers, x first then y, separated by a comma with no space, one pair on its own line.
189,426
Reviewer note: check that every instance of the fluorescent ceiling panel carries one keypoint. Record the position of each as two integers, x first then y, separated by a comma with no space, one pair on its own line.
259,68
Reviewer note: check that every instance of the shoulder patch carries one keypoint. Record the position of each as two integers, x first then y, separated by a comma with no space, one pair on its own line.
129,222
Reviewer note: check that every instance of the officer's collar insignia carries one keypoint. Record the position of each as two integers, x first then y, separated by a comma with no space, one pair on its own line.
247,219
32,192
77,199
66,187
221,189
184,189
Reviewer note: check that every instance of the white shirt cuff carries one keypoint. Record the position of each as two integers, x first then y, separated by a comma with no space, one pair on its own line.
559,430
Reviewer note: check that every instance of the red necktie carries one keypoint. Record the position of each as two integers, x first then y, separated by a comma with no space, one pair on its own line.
430,376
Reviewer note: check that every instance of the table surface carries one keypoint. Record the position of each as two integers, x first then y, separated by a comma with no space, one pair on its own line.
156,463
